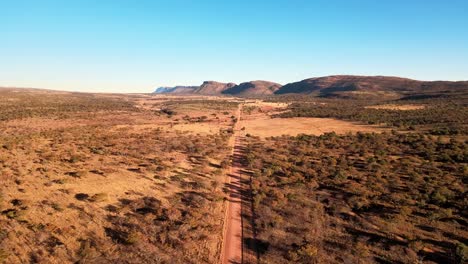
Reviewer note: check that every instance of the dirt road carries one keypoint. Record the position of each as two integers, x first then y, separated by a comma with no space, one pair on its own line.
234,236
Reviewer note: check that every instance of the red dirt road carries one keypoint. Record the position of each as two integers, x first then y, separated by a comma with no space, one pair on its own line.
232,251
232,245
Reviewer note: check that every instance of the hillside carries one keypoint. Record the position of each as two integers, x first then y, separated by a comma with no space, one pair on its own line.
346,84
253,88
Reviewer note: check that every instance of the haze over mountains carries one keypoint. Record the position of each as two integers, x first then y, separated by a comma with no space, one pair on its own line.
176,89
218,88
329,86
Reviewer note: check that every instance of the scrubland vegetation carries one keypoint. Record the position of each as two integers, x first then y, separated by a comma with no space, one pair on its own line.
439,117
96,179
140,179
390,197
385,198
17,104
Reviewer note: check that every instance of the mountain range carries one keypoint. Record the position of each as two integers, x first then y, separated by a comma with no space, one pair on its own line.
176,89
329,86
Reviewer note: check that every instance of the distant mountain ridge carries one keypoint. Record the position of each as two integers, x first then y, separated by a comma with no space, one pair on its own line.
336,85
219,88
213,88
175,89
253,88
348,83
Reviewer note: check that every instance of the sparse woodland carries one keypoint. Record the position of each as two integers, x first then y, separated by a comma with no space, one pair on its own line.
439,117
394,197
133,179
83,182
15,104
365,198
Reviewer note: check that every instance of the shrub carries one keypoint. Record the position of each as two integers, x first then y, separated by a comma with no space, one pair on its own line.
461,253
57,207
99,197
81,196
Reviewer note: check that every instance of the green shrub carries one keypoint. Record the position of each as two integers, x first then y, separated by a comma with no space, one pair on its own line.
461,253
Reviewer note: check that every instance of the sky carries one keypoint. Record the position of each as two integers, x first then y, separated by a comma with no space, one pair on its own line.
137,45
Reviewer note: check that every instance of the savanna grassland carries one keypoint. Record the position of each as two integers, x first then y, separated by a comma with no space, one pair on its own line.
113,178
110,179
393,195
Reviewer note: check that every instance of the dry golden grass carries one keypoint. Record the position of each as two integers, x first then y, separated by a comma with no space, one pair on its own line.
196,128
264,126
397,107
260,103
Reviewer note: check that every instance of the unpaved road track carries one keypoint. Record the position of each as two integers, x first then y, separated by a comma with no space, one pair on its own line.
234,235
232,252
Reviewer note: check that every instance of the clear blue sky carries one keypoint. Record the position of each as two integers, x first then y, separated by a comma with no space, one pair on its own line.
134,46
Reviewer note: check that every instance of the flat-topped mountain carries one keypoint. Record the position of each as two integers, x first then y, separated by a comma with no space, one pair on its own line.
218,88
176,90
254,88
213,88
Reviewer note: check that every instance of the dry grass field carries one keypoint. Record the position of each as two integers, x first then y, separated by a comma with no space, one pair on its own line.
272,127
258,121
397,107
